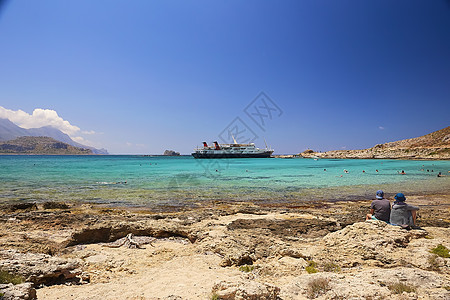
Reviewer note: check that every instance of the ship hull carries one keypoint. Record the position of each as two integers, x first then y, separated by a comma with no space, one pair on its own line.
265,154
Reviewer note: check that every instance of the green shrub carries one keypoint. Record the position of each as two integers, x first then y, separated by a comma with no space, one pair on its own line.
246,268
311,268
6,277
441,251
317,286
433,262
399,288
215,297
312,263
331,267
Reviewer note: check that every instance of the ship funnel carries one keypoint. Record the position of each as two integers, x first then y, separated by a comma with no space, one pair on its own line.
205,144
217,145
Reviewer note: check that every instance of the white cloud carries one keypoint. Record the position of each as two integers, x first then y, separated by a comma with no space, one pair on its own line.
39,118
45,117
133,145
89,132
86,142
381,127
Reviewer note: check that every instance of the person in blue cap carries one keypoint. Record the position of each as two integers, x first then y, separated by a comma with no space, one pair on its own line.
380,208
403,214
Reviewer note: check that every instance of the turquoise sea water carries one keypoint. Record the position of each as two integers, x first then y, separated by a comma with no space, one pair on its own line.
185,181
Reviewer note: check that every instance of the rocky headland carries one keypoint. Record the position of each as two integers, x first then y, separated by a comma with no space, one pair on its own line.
435,145
9,132
320,250
40,145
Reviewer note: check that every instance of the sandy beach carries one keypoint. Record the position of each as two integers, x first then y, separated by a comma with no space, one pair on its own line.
228,251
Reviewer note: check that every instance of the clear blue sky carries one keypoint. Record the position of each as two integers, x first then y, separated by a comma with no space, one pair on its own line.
146,76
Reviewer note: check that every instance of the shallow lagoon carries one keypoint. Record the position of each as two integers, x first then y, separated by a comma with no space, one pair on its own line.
184,181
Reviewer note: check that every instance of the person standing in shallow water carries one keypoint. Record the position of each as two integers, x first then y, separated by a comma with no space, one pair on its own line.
380,209
403,214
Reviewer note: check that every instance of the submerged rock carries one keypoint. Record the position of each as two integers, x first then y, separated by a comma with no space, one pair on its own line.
55,205
24,206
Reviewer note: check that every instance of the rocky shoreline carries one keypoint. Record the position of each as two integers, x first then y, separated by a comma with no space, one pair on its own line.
379,152
433,146
320,250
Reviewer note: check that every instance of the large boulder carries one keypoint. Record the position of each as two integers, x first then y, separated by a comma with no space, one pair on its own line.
40,268
23,291
364,242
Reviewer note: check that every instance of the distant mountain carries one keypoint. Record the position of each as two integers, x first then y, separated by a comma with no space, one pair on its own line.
40,145
9,131
435,145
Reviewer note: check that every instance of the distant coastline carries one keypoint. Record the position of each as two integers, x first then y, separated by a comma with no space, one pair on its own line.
18,140
31,145
433,146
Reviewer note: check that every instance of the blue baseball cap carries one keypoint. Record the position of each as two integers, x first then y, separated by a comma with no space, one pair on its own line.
400,197
380,194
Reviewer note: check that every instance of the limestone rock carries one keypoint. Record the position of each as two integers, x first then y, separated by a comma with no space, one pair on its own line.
112,231
368,241
289,227
249,290
23,291
369,284
131,241
40,268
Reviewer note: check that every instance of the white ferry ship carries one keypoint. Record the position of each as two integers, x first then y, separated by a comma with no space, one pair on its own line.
235,150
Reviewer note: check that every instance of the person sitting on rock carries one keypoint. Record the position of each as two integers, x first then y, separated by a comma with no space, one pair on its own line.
380,209
403,214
